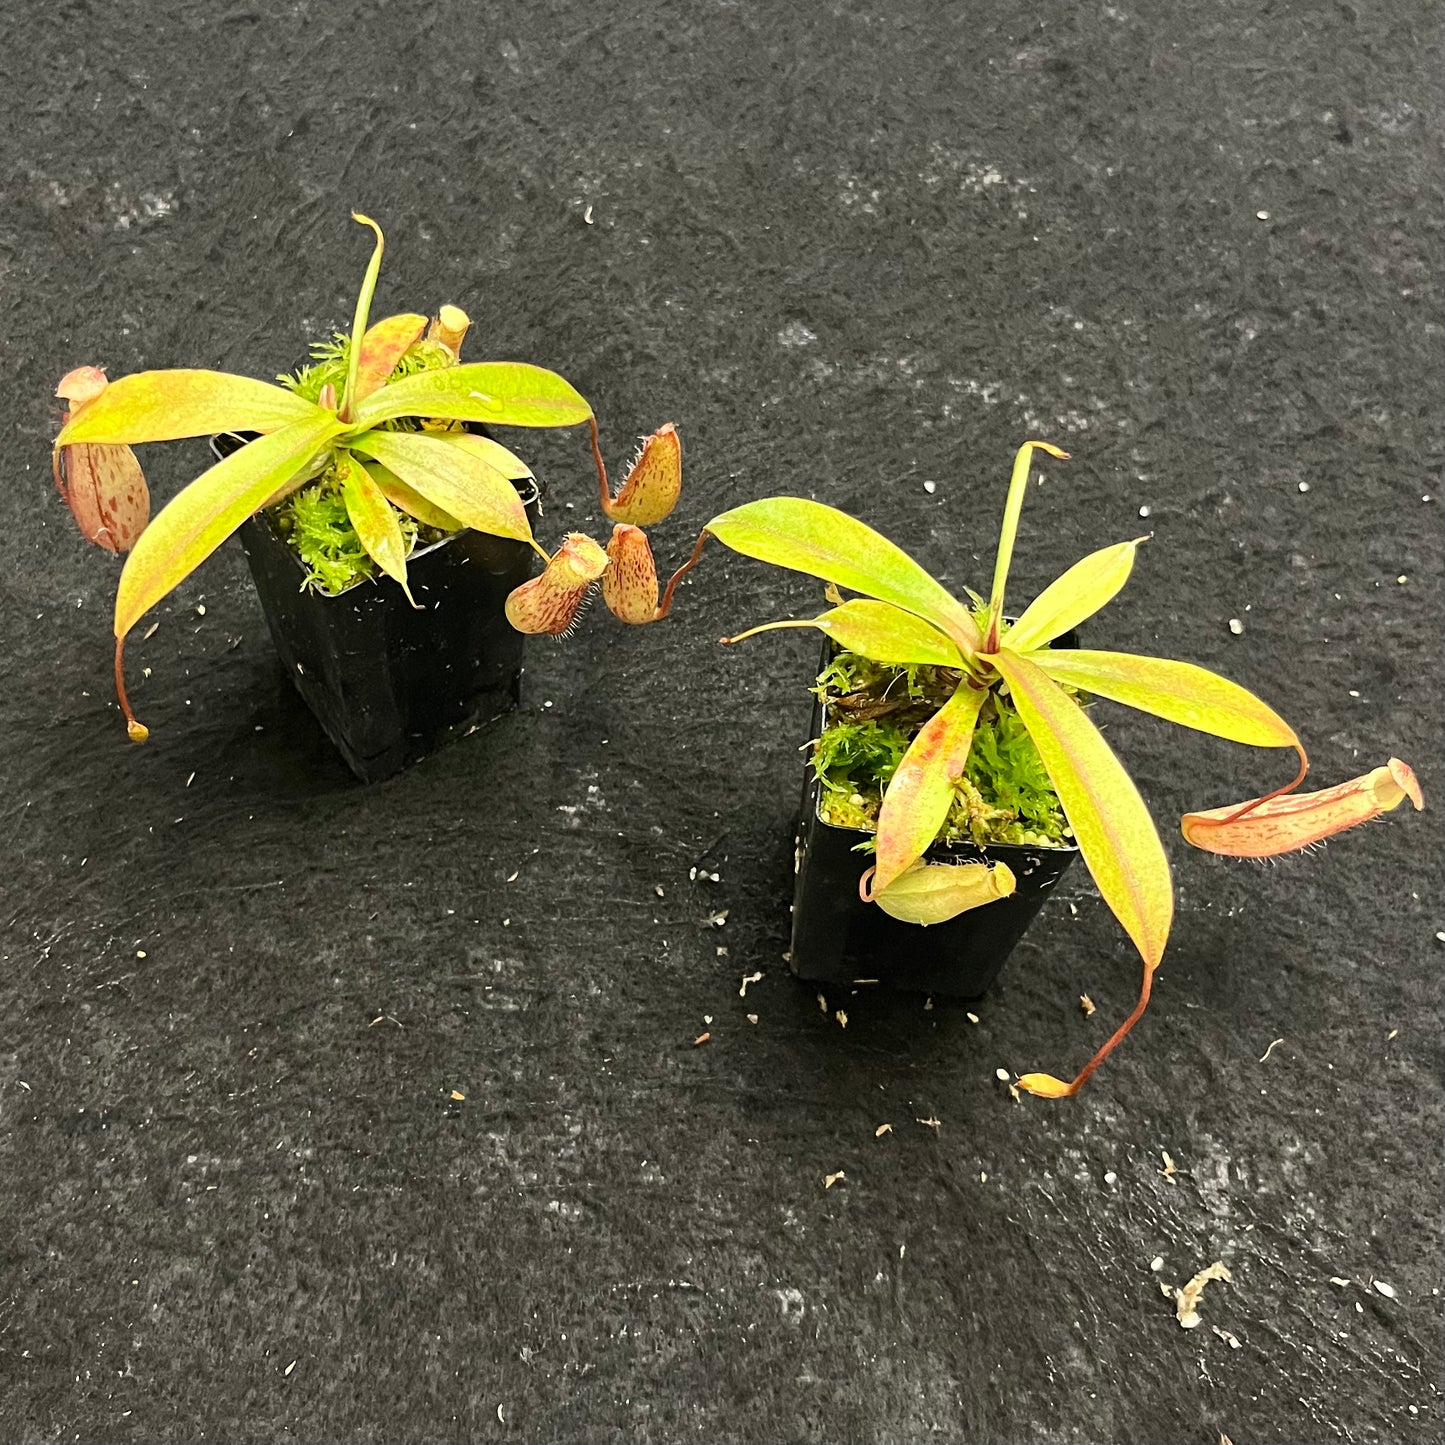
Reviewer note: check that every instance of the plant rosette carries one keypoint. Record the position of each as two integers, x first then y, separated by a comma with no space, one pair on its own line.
363,465
904,618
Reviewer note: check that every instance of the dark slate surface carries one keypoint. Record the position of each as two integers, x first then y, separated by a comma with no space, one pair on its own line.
848,250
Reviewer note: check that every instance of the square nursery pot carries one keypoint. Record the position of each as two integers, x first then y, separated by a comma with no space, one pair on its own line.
389,683
839,939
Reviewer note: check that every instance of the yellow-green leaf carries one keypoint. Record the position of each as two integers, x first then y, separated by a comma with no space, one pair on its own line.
1009,527
494,453
887,634
161,406
929,893
200,517
1111,825
409,499
1076,595
1179,692
505,393
877,630
461,483
811,537
921,793
381,348
375,524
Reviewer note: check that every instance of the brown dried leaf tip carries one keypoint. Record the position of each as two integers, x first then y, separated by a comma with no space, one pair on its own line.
103,486
653,483
550,603
629,585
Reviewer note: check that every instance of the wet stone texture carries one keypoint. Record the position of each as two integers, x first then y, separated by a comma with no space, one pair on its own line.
851,250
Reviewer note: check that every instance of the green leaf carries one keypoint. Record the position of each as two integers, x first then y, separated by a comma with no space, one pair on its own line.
375,523
381,348
817,539
1111,824
363,311
463,485
1076,595
504,393
876,630
200,517
1179,692
1009,527
162,406
887,634
409,499
929,893
921,793
495,454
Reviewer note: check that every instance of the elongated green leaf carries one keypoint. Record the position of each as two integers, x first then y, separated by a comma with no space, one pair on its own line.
381,348
507,462
362,312
877,630
505,393
1179,692
375,523
887,634
409,499
200,517
1111,824
921,793
1076,595
1009,527
817,539
161,406
464,485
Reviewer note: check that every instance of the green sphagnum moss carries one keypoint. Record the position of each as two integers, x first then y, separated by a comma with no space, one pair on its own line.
874,712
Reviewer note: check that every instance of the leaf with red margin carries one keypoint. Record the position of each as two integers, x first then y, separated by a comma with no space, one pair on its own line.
1110,823
381,348
374,521
201,516
921,793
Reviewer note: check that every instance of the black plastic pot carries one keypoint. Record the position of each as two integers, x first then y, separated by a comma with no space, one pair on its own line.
388,683
839,939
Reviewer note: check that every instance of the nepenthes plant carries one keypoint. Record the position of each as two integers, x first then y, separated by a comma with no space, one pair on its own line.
903,617
379,428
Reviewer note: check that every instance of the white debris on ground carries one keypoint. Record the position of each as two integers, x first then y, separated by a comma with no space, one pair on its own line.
1186,1297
